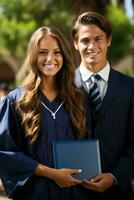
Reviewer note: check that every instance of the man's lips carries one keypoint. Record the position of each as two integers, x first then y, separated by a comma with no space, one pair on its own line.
92,53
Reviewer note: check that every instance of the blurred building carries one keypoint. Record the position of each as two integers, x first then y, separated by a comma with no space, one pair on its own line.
8,69
6,73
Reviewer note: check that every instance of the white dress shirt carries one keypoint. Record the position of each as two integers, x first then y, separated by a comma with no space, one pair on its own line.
102,83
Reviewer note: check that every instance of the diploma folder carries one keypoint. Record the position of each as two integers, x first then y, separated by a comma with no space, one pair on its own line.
78,154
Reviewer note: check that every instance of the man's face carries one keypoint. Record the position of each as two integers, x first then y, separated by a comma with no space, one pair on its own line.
92,45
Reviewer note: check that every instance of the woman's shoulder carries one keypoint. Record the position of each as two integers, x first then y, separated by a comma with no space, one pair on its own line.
14,95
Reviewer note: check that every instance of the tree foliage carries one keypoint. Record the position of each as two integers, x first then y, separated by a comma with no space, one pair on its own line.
123,32
19,19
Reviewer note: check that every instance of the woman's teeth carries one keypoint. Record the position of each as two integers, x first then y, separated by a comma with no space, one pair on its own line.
49,66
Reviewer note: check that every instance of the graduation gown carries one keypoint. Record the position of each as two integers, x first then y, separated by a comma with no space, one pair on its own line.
19,158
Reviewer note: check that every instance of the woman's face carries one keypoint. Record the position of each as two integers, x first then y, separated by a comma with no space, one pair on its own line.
50,58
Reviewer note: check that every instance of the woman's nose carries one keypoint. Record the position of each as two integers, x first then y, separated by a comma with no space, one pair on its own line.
50,57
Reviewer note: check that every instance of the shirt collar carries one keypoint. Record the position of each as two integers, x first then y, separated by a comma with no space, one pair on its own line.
86,73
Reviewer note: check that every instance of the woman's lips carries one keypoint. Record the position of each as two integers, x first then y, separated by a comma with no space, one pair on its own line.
49,66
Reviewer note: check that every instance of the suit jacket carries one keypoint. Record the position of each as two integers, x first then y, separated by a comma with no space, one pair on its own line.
115,131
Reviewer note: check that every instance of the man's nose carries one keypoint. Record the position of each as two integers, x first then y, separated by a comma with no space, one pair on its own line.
91,44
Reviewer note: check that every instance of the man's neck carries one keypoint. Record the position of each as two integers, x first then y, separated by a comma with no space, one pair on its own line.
95,68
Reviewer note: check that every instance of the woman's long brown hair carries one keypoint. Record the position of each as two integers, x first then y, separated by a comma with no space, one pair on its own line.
29,104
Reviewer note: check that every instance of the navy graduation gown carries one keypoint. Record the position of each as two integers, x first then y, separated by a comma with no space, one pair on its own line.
19,158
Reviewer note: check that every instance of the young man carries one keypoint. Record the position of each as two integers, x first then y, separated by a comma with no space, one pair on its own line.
110,105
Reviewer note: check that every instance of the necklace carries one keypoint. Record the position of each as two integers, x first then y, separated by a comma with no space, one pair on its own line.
53,113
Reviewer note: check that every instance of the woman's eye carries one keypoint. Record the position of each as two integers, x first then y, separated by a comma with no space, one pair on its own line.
57,52
43,53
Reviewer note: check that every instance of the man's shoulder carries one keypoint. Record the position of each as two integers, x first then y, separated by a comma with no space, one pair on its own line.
77,71
78,78
122,76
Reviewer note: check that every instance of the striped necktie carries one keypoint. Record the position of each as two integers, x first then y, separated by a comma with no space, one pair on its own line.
94,93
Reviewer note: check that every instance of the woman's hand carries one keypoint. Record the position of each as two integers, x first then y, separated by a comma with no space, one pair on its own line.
63,177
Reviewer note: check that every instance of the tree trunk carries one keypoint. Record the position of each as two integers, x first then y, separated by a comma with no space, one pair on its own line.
99,6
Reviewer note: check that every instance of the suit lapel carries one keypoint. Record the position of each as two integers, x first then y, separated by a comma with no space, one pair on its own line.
112,90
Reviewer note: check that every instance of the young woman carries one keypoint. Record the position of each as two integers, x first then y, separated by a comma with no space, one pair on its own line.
47,107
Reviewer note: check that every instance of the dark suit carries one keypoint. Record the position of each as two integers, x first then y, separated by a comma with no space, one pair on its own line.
115,131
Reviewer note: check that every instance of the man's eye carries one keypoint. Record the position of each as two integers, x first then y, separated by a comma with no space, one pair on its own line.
99,38
85,41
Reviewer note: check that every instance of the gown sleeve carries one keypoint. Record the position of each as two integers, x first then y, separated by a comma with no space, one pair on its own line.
16,167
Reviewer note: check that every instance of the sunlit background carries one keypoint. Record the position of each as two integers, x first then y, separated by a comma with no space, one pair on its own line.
18,20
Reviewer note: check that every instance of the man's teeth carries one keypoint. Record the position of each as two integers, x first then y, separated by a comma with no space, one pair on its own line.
92,53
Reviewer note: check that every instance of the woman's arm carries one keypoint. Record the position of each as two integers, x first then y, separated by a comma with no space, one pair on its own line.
61,176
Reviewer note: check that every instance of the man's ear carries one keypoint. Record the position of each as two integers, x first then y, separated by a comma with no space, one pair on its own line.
75,44
109,41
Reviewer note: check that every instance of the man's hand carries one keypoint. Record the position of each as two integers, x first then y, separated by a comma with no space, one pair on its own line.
99,183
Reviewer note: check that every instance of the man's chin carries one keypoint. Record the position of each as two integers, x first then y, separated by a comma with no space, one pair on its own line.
91,62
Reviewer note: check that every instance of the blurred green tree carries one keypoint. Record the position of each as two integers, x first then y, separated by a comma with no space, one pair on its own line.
123,33
19,19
